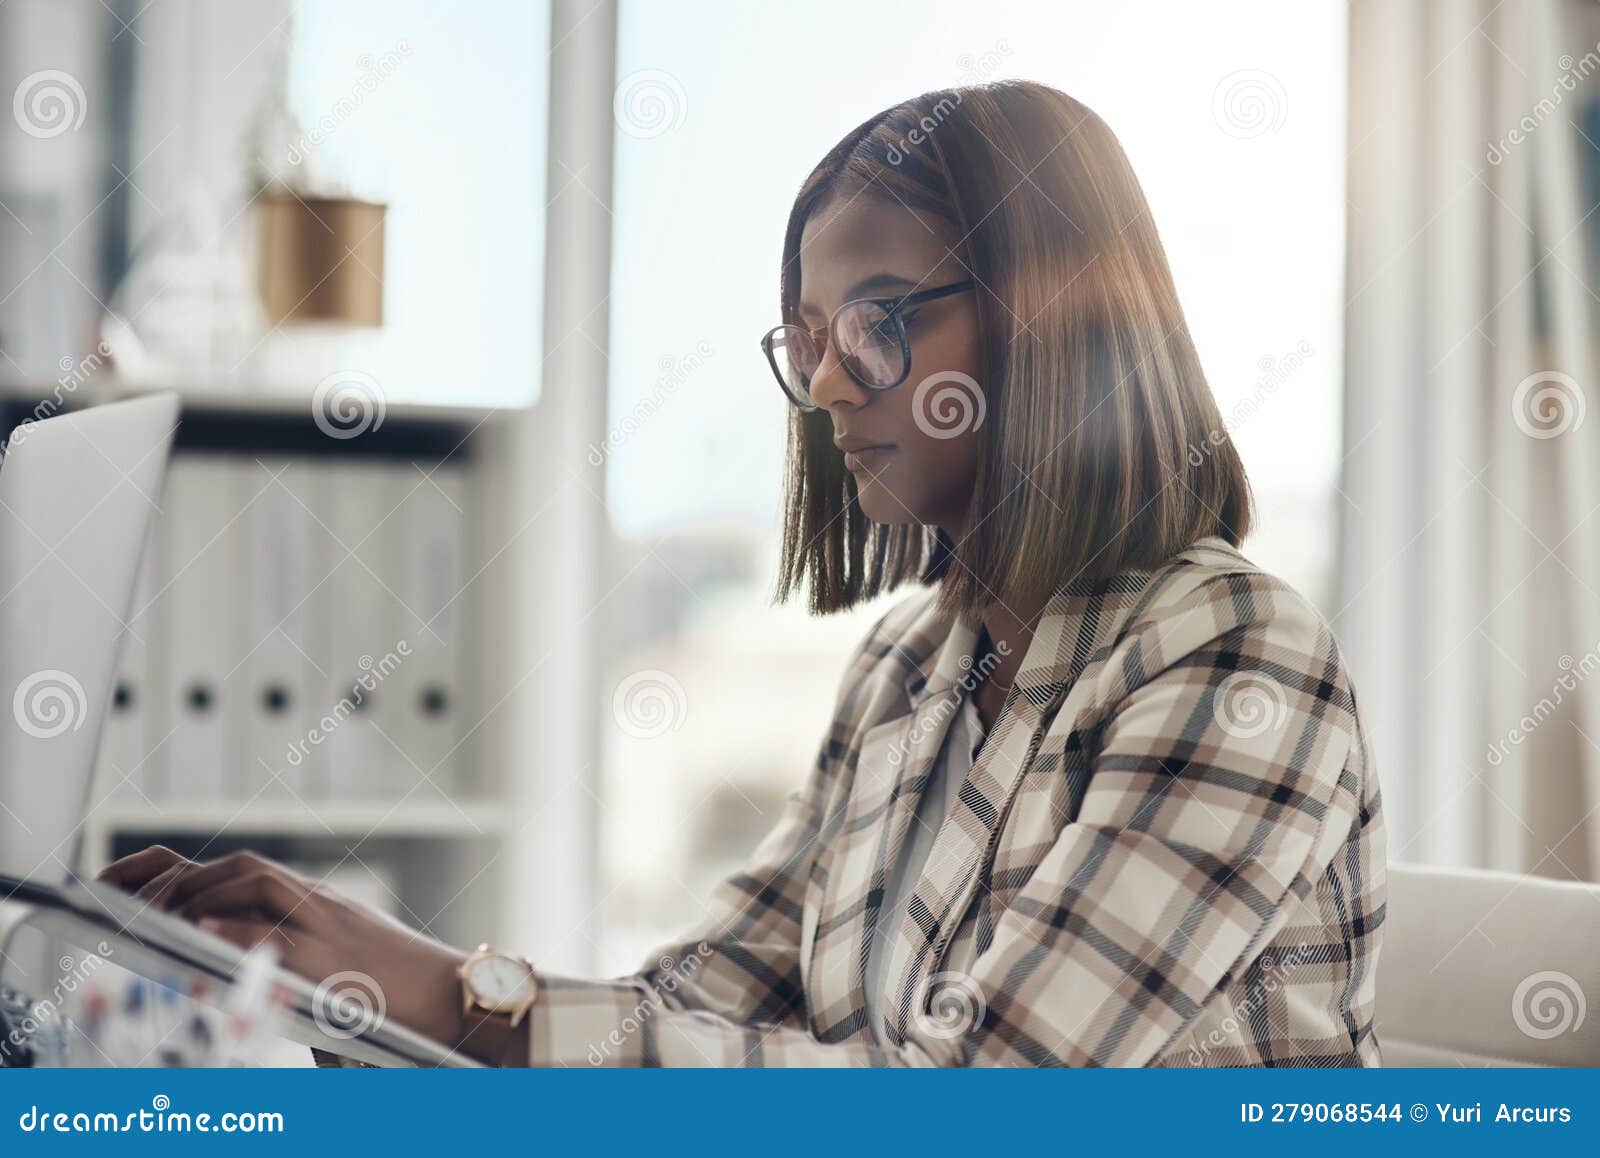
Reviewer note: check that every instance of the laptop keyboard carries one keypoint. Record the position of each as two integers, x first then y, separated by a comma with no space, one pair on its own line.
106,906
137,917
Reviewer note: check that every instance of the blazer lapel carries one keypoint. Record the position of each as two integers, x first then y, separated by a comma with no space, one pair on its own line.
1080,621
891,773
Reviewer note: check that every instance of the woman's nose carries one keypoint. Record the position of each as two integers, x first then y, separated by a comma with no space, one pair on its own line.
832,386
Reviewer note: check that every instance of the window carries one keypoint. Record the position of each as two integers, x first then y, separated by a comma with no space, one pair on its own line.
440,113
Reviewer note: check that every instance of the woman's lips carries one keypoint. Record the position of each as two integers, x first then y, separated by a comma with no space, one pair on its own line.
868,458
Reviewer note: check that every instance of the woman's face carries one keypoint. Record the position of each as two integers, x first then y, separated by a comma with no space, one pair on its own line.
923,463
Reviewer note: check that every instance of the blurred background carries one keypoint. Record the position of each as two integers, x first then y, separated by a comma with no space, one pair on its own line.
465,300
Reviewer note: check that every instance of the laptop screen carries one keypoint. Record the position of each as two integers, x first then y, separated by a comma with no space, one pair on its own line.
78,496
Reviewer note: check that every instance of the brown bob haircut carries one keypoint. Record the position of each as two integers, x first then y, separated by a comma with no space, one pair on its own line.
1105,448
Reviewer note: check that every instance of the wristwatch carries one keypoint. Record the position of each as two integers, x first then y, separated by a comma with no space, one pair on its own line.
498,983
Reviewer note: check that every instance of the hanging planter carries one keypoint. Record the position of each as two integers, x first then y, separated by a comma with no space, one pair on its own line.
321,259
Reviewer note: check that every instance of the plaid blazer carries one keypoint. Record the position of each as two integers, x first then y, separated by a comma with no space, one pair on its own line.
1169,851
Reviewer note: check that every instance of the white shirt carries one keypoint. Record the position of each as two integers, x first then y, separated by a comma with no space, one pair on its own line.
949,771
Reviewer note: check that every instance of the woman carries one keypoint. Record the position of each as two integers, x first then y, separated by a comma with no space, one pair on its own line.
1098,795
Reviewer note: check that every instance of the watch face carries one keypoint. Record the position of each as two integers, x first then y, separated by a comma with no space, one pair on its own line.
500,982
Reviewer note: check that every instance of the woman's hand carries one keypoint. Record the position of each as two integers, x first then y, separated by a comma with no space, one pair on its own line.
250,901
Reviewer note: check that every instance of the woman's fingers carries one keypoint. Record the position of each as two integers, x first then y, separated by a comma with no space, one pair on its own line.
189,882
155,889
244,898
132,872
258,894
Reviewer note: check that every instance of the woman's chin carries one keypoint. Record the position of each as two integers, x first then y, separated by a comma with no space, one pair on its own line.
882,505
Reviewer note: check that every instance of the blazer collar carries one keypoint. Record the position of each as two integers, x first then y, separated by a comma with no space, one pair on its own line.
1079,619
946,659
1086,615
939,650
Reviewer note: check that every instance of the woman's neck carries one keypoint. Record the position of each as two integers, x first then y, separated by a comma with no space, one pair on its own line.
1007,631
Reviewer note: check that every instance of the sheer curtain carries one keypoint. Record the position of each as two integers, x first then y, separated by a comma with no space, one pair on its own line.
1469,598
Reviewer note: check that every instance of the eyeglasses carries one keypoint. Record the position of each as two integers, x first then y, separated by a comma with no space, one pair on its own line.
868,333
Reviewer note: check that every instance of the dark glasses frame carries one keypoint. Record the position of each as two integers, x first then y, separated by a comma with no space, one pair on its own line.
892,308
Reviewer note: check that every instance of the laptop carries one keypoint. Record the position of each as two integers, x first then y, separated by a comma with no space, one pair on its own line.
78,497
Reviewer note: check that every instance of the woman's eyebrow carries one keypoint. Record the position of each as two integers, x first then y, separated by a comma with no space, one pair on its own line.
862,288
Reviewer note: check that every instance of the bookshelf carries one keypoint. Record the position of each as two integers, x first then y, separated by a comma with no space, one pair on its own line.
434,858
